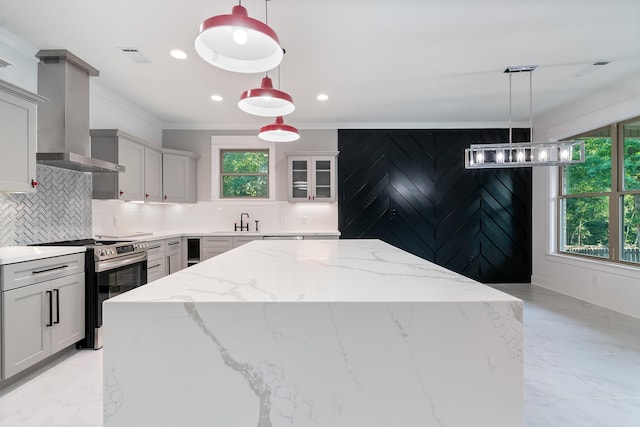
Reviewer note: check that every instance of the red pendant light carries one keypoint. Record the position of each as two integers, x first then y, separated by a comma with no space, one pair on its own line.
279,132
266,101
238,43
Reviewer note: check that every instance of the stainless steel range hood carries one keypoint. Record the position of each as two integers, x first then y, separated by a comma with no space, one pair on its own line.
63,122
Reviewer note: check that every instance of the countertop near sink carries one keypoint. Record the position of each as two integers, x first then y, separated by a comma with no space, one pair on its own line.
171,234
13,254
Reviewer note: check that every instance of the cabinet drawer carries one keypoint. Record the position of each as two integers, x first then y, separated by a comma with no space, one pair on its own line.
210,253
156,267
156,247
220,243
30,272
174,246
239,241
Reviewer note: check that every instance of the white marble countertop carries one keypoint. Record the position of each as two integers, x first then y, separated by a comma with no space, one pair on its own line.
157,235
314,271
13,254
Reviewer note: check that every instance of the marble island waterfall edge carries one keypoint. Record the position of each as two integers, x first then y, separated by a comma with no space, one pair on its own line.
176,357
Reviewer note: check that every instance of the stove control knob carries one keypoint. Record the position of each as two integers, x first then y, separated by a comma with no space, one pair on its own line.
103,252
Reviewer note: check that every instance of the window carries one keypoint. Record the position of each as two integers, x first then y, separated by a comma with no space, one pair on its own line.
244,173
600,199
243,170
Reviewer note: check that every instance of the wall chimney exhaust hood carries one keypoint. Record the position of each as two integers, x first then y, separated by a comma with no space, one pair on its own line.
63,122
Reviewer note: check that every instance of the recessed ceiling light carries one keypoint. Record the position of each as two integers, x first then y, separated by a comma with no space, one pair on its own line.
178,54
322,97
217,98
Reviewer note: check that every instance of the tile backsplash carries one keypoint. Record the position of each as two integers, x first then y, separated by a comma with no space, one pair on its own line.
59,210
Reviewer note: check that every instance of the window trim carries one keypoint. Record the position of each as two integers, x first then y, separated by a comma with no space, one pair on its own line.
240,142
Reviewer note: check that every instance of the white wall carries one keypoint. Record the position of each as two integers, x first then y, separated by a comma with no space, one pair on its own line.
605,284
24,71
110,111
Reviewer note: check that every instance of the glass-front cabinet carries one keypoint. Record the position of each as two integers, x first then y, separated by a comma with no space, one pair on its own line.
312,177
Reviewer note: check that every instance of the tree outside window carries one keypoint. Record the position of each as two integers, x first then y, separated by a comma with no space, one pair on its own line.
244,174
600,199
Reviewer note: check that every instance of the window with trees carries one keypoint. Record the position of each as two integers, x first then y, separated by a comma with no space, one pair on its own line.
244,174
599,207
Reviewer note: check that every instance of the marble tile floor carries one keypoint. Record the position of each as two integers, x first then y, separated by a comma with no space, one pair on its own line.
582,369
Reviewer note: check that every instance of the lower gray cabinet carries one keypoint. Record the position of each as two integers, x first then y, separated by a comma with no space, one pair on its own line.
174,255
156,262
164,258
40,320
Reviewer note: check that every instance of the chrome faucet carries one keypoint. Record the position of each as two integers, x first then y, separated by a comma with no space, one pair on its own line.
243,226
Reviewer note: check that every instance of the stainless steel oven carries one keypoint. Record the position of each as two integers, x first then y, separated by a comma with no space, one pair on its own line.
117,267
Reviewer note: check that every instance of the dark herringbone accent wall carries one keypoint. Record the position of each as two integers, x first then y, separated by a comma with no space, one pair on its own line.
59,210
410,189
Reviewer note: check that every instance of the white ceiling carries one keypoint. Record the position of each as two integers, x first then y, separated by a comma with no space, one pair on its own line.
383,63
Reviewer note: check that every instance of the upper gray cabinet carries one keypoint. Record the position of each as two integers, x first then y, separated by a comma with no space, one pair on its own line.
312,177
151,174
18,138
179,176
115,146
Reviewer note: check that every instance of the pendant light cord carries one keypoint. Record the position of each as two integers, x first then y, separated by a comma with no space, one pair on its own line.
530,105
510,128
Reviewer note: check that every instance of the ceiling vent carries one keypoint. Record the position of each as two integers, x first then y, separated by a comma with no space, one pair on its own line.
594,66
134,54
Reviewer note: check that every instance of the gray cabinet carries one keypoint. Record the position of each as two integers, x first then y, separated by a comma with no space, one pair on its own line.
174,255
42,310
216,245
243,240
156,261
18,138
179,179
312,177
115,146
164,257
152,175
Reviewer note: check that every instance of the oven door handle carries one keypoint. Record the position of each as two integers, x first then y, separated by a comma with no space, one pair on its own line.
113,264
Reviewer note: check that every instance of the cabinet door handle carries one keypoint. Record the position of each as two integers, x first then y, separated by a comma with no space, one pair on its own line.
154,247
57,292
121,193
168,269
166,197
50,294
173,243
154,266
34,183
60,267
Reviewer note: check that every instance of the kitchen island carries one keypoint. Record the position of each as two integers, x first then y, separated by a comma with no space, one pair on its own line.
313,333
